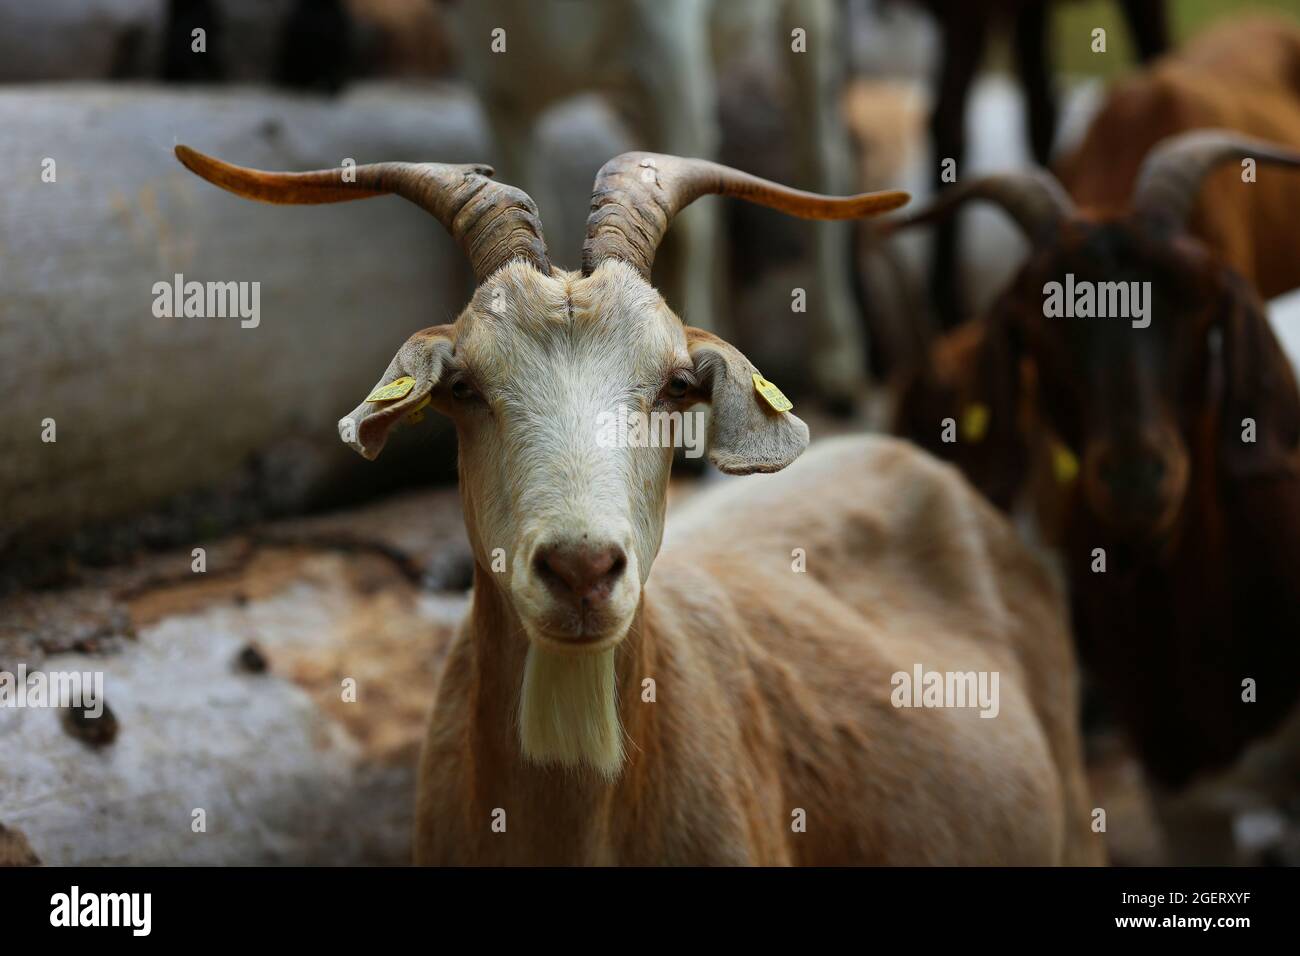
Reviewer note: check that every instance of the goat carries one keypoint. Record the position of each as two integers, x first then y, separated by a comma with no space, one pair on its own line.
725,709
653,59
965,26
1245,76
1185,433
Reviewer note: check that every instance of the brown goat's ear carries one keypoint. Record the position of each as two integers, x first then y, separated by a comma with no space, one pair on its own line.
404,389
747,433
1258,384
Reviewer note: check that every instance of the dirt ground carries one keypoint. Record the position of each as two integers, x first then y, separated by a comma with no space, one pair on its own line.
227,694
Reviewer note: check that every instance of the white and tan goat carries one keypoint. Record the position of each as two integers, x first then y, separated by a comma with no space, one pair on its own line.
727,708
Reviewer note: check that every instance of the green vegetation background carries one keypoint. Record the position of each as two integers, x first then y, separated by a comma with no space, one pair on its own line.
1073,24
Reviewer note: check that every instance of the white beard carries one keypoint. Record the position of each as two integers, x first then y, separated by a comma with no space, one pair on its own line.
568,713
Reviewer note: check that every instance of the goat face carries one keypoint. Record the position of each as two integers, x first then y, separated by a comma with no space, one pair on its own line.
565,527
536,365
1139,395
1131,342
1122,390
531,373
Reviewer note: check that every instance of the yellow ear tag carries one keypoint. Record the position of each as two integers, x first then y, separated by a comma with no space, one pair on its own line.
975,421
416,415
1064,465
772,394
394,389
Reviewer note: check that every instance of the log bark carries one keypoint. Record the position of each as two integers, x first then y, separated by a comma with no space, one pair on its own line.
268,711
146,408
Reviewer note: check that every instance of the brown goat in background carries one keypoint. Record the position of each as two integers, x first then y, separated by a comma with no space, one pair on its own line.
1244,77
1185,433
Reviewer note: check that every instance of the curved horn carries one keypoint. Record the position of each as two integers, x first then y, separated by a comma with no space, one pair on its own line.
636,196
1033,198
1172,173
492,222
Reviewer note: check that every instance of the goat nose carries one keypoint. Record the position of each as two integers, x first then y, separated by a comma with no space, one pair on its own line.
580,572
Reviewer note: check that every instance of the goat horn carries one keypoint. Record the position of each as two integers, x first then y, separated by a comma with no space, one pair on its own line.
636,196
1171,175
1033,198
492,222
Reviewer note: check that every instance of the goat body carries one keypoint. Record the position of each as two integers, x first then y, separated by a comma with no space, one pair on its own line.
772,692
1195,645
1175,642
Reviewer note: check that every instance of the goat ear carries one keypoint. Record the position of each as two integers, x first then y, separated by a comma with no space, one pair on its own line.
746,434
1258,384
404,388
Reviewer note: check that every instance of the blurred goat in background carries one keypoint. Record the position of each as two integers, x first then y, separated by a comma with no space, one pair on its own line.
656,61
1243,77
1173,448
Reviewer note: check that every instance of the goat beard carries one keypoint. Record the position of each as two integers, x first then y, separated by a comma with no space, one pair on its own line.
568,711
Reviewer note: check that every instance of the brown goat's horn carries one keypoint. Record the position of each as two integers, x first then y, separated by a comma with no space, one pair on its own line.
636,196
1172,173
1032,197
492,222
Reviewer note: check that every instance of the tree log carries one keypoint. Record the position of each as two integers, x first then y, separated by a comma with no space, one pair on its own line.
144,407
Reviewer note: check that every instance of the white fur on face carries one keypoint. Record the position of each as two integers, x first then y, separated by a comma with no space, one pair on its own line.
549,355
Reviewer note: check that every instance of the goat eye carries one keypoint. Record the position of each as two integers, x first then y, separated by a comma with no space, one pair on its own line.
461,390
677,386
